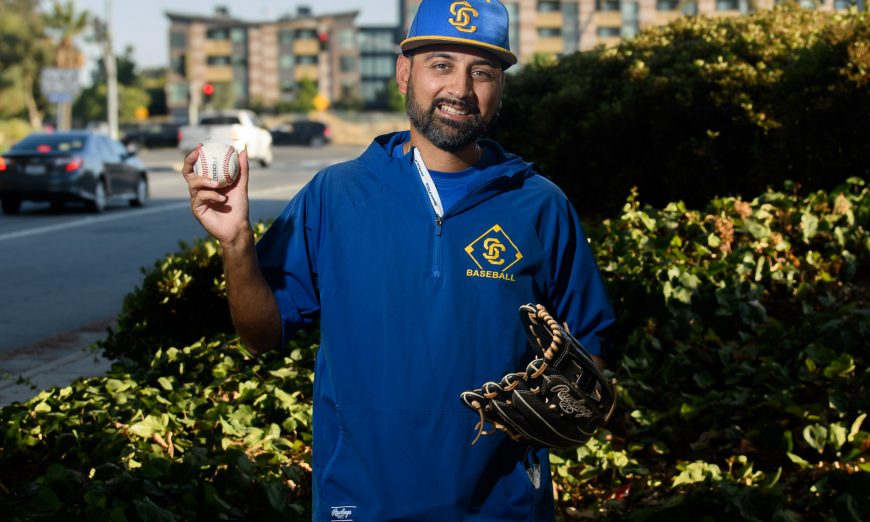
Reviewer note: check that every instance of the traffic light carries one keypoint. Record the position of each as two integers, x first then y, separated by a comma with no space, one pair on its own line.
207,92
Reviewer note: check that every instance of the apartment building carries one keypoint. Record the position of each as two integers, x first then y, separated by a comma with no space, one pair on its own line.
557,27
260,63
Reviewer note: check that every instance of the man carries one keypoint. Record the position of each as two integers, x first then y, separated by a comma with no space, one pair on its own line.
414,258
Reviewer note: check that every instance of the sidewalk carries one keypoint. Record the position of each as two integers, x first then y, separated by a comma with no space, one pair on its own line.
57,361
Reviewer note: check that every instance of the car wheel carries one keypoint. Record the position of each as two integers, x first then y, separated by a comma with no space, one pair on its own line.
99,202
141,192
318,141
10,205
266,160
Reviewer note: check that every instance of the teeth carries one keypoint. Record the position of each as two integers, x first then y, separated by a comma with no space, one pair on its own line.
453,110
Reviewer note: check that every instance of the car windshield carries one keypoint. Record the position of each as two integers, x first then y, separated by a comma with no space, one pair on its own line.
219,120
50,143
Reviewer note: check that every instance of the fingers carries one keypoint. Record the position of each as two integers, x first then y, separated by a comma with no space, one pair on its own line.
243,169
189,161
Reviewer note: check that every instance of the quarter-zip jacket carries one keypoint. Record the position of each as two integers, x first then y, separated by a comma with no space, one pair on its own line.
414,310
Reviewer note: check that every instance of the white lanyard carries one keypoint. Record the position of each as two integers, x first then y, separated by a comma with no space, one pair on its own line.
428,184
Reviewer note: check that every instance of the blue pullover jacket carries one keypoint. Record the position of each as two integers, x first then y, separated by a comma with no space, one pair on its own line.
415,310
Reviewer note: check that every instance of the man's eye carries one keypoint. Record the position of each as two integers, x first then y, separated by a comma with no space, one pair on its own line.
482,74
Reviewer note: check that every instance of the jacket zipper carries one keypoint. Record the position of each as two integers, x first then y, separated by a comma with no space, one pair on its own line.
436,252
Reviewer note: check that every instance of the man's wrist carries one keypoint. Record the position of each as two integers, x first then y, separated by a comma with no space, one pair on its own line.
241,241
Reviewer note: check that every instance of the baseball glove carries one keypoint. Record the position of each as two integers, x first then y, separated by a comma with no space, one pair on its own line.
560,398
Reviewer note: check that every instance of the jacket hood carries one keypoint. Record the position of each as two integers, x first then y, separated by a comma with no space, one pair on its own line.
507,172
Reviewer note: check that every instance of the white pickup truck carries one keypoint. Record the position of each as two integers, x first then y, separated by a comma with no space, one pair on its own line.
237,127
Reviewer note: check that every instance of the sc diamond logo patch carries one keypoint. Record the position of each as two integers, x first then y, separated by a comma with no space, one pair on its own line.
494,253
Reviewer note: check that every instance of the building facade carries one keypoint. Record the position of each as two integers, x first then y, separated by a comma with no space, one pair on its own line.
260,64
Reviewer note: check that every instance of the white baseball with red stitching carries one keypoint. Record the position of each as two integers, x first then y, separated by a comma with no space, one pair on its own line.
219,162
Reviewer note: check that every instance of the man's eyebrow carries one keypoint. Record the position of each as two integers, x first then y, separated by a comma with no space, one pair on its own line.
452,58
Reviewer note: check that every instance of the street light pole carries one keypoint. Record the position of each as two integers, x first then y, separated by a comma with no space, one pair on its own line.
111,75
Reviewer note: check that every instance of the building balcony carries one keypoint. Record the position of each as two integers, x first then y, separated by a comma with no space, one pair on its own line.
306,47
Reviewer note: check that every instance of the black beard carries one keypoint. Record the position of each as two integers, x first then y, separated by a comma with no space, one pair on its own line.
447,135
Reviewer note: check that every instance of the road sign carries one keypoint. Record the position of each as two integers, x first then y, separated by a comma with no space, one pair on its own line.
59,84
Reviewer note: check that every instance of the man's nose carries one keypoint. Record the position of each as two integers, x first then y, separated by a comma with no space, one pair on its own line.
461,85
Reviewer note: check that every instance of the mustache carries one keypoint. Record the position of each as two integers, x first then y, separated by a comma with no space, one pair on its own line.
471,107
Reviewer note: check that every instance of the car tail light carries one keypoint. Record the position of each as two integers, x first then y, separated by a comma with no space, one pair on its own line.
3,164
70,164
327,132
179,135
43,148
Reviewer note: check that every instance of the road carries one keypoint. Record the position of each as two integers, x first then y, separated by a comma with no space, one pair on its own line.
67,271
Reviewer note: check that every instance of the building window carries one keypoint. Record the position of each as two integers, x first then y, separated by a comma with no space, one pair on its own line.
177,93
177,40
288,87
286,61
347,39
378,67
514,30
607,5
217,34
727,5
238,35
840,5
667,5
347,64
179,64
548,6
380,41
306,34
690,8
218,61
571,27
306,60
630,21
285,36
609,32
549,32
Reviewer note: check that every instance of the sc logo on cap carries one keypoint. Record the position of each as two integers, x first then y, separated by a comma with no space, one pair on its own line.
462,14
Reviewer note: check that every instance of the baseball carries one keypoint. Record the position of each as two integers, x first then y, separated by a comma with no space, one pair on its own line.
218,161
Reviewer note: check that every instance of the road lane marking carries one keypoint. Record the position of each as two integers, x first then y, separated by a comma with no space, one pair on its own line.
96,220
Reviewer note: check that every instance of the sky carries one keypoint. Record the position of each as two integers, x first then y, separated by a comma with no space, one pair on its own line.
143,23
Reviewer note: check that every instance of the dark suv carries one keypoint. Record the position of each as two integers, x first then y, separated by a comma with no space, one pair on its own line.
302,132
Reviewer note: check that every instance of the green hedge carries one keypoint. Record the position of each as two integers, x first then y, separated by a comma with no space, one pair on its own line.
741,360
699,108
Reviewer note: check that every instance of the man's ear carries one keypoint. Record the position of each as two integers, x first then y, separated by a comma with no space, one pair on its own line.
403,73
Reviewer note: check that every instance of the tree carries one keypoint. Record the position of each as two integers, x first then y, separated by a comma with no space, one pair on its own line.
91,103
395,99
24,51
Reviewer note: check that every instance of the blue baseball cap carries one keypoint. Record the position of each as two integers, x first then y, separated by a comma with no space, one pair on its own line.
479,23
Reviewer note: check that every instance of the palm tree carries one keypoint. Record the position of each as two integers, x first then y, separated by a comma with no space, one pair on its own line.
67,24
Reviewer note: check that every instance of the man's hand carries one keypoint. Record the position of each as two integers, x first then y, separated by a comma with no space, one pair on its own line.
223,212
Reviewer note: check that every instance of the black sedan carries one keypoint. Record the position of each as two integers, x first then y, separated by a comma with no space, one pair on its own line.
302,132
71,166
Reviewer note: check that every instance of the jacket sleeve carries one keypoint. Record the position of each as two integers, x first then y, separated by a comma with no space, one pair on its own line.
287,254
575,288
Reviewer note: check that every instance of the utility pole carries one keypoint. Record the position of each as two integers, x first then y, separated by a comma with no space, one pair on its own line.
111,75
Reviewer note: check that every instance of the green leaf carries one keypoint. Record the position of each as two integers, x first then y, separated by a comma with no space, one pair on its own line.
797,460
44,501
842,366
837,435
809,226
148,511
698,471
165,383
148,426
816,435
856,427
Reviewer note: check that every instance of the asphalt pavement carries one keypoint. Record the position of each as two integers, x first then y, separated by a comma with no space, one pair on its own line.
54,362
